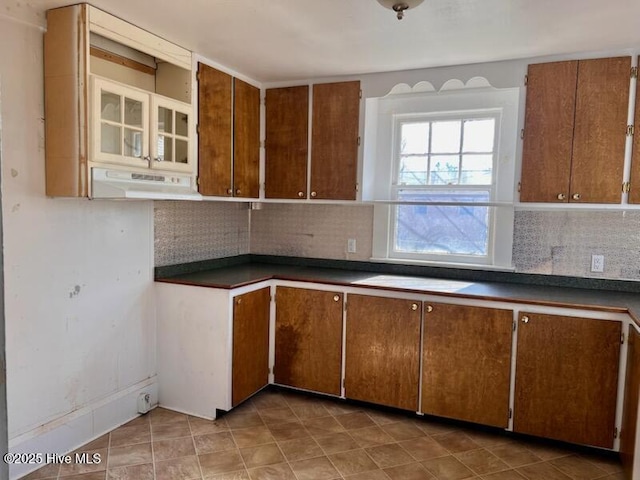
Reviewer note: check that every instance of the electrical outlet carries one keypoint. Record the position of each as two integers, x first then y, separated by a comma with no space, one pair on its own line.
597,263
351,245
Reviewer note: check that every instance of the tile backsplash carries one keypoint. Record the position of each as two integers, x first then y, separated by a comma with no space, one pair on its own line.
192,231
545,242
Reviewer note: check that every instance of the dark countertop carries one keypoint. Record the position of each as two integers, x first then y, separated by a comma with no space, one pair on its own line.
229,277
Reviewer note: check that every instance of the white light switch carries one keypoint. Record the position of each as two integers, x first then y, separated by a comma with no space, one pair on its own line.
597,263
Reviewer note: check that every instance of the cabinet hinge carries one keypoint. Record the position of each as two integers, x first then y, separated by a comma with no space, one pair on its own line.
519,186
360,94
359,141
626,187
511,413
622,338
514,325
263,144
522,134
526,80
270,370
634,72
197,128
357,187
198,76
630,130
343,383
616,433
197,180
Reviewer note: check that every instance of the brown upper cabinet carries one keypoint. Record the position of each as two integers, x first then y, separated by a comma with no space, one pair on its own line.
466,363
334,142
229,135
634,191
575,131
567,378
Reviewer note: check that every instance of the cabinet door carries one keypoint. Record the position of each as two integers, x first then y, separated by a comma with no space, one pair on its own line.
548,132
334,141
287,134
246,140
567,378
634,193
630,409
466,363
214,137
170,139
383,351
599,139
250,344
120,132
309,339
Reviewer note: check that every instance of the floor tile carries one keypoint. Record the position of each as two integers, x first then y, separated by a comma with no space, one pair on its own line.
176,448
412,471
267,400
352,462
372,475
135,472
167,432
86,476
577,468
162,416
370,436
507,475
288,431
389,455
351,421
47,471
185,468
456,442
403,430
78,468
447,468
300,449
383,418
310,411
243,420
275,416
200,426
214,463
262,455
251,437
542,471
272,472
424,448
240,475
319,468
338,442
515,455
322,426
131,435
215,442
130,455
482,461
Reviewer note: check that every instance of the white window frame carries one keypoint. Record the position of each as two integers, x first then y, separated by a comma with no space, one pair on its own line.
388,112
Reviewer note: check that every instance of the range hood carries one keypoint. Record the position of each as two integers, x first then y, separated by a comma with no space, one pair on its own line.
121,184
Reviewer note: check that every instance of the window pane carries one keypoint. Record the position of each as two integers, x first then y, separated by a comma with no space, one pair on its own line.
165,120
133,112
444,169
182,151
413,171
110,140
431,229
446,137
476,169
478,135
132,143
110,107
165,148
414,138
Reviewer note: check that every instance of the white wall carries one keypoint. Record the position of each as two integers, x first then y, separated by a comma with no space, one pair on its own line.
80,319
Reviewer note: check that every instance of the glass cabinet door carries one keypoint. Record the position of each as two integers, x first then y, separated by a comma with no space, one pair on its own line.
171,145
120,124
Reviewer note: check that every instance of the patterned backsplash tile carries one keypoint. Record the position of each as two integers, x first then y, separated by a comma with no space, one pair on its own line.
193,231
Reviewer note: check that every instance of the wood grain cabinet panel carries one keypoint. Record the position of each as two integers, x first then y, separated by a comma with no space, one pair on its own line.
548,140
567,378
246,140
467,363
334,150
287,144
630,407
215,171
308,347
250,344
602,103
634,193
382,359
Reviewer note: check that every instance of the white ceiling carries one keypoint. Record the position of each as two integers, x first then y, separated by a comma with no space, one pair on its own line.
274,40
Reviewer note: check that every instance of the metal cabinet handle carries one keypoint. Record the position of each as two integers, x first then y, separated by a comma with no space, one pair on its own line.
314,194
157,159
336,298
301,194
414,306
429,309
562,196
525,319
147,158
576,196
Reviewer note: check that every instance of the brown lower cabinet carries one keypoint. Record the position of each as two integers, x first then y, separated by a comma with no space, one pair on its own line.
383,351
466,357
630,409
250,344
566,378
308,351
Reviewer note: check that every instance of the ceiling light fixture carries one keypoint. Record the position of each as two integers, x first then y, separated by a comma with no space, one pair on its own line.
400,6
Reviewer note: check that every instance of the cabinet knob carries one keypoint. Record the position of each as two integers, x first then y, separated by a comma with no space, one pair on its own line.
157,159
429,309
562,196
336,298
147,158
238,301
525,319
301,194
414,306
314,194
576,196
229,191
238,191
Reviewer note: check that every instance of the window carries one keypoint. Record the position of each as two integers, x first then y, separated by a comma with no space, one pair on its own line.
443,153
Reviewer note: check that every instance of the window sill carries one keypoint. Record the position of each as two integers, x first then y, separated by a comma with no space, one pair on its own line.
431,263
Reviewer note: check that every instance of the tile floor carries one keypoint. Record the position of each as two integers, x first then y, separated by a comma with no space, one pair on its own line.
287,436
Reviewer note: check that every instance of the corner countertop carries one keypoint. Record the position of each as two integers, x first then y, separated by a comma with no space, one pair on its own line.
235,276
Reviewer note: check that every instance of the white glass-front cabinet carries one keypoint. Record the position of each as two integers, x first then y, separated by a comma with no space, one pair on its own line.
135,128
